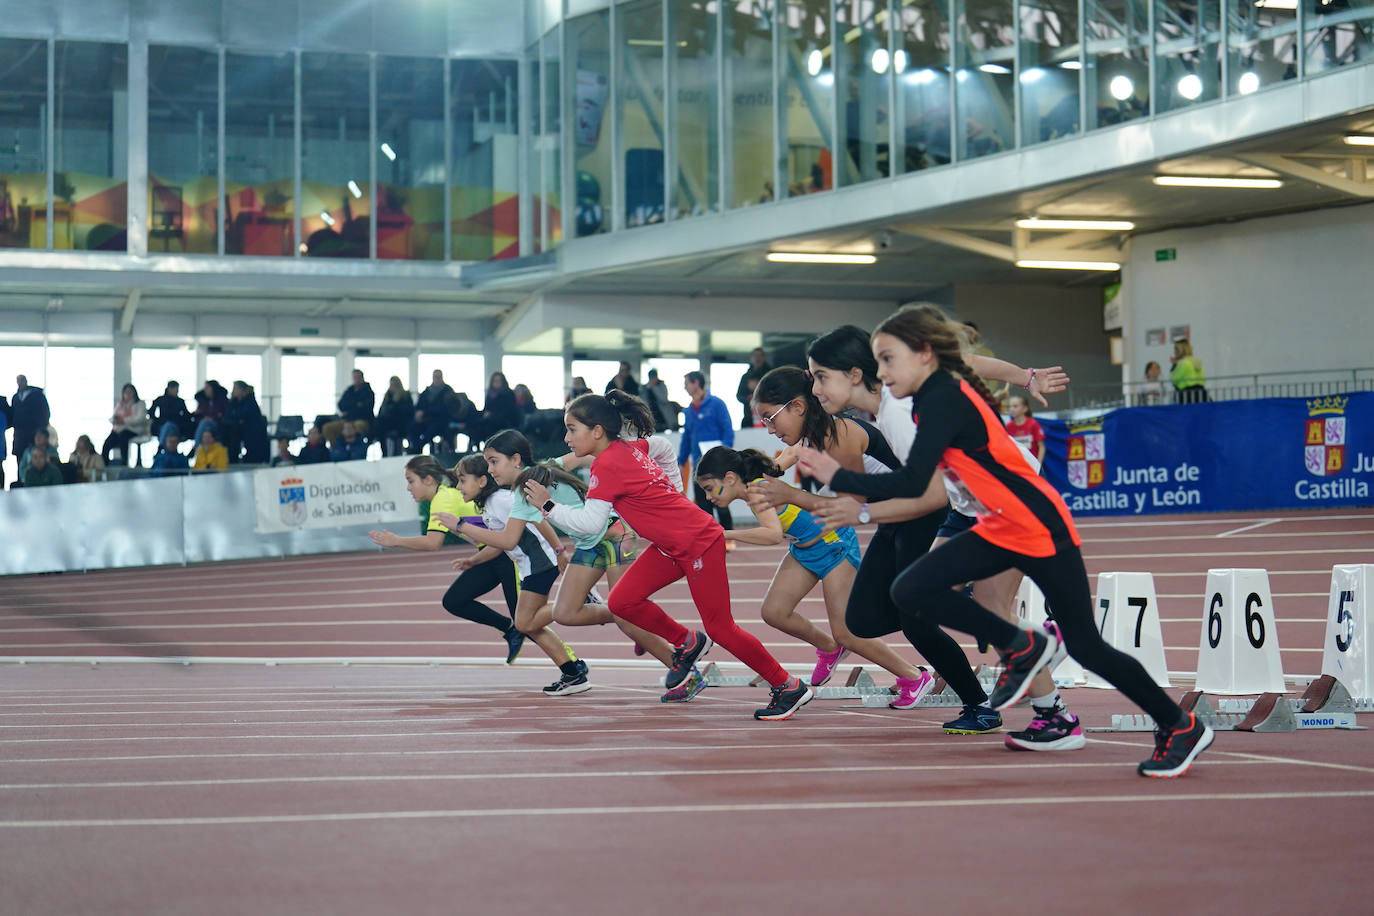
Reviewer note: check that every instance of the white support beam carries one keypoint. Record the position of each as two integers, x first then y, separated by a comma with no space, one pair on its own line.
1286,166
126,318
959,240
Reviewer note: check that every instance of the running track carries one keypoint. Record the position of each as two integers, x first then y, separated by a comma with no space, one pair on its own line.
156,788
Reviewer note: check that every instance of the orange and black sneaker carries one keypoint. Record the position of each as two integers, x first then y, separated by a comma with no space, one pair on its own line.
1020,666
1177,748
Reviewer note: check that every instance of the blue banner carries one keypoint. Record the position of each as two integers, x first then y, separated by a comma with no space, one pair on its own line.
1278,453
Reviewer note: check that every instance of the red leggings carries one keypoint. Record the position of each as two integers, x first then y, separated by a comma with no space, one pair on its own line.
710,588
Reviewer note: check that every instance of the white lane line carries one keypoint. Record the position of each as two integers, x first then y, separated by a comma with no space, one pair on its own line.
964,766
1168,522
1261,524
1213,752
886,804
1225,553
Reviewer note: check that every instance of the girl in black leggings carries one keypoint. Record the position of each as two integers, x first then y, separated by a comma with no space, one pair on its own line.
1022,523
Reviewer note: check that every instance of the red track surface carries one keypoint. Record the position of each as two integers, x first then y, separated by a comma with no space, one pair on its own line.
305,789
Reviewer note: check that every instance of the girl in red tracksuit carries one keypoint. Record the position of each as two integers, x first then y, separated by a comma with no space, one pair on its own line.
686,543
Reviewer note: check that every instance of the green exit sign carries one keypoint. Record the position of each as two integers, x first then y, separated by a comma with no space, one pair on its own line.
310,332
1166,254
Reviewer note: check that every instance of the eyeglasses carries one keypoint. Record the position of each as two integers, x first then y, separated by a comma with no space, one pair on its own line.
768,420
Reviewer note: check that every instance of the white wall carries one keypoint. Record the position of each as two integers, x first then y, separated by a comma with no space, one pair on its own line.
1288,293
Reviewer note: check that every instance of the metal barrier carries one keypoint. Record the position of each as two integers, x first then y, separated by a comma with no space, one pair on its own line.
1307,384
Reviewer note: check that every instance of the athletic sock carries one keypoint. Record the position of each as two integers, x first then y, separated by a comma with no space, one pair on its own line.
569,668
1048,702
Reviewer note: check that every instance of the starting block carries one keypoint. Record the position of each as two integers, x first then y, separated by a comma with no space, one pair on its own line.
711,676
941,695
859,685
1325,705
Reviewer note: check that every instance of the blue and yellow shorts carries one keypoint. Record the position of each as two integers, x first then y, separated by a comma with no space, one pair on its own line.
821,557
607,554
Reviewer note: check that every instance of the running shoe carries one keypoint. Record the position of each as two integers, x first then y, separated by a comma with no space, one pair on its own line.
594,597
639,650
826,663
515,641
1062,652
1020,666
784,700
568,684
686,690
1051,730
912,690
685,657
581,666
1177,748
975,720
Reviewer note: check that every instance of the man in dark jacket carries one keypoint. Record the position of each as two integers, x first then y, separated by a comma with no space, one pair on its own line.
758,368
355,406
28,414
431,414
170,408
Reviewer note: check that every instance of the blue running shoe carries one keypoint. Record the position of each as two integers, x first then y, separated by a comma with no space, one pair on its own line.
975,720
515,641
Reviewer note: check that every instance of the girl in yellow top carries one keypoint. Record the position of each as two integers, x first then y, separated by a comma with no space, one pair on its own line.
428,481
211,456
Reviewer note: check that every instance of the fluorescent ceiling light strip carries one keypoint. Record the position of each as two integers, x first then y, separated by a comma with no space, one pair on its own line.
1359,140
1070,265
808,257
1110,225
1186,181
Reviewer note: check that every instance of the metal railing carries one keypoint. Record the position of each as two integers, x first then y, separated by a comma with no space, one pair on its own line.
1300,384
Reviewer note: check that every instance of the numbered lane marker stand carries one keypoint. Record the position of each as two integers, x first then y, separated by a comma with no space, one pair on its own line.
1238,652
1348,650
1326,705
1031,608
1127,614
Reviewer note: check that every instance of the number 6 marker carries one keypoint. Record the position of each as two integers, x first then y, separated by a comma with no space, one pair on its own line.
1238,652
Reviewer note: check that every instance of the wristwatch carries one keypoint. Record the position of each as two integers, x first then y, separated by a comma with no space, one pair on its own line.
864,517
548,506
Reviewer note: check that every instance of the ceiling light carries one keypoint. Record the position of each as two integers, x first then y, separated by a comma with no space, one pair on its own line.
1121,88
388,152
880,60
1359,140
354,189
993,68
899,61
814,62
1032,75
809,257
923,77
1072,65
1190,87
1188,181
1249,81
1070,265
328,220
1276,4
1110,225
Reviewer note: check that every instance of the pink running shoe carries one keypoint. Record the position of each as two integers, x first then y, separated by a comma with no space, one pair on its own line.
826,663
912,690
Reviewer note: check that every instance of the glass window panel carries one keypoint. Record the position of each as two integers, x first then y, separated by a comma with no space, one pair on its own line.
90,186
378,370
183,168
724,382
543,375
80,393
641,111
535,150
921,63
808,85
1262,43
486,159
410,186
984,93
864,67
334,155
259,154
465,372
749,101
153,368
1339,32
307,386
23,144
593,147
1187,53
551,139
1117,77
1051,63
695,128
596,372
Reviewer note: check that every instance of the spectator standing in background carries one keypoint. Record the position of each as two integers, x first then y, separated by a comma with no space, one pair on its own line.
624,380
169,461
500,411
314,451
394,416
245,428
579,388
355,406
40,444
88,464
211,456
664,409
211,403
170,408
1187,375
43,472
1152,389
1024,429
28,414
283,457
130,420
4,424
431,414
524,401
349,446
758,368
705,424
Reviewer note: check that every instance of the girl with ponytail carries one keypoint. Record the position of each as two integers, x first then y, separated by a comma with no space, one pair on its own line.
429,482
813,555
1021,522
686,543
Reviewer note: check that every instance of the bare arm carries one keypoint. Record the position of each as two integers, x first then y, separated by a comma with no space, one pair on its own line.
430,540
1045,381
837,513
485,555
769,531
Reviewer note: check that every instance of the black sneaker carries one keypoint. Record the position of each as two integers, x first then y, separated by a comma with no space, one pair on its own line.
568,684
515,641
974,720
1020,666
786,698
1176,749
685,656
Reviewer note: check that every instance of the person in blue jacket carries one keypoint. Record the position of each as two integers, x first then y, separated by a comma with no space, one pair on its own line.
706,424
